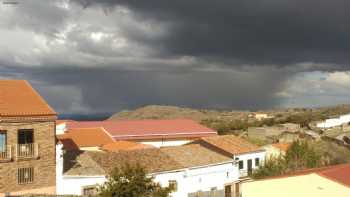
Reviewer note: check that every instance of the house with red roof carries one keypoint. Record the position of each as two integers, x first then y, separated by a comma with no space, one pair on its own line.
158,133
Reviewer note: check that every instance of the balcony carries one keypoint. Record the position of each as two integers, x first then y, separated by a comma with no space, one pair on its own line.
6,154
26,151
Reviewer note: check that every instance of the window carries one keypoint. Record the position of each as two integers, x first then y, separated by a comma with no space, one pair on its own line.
228,191
257,161
213,192
173,183
3,138
89,190
240,165
25,136
25,175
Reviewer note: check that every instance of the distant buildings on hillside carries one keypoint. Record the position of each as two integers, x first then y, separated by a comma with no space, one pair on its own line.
334,122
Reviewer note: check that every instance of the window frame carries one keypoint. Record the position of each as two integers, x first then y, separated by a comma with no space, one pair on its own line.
239,165
24,131
5,144
257,162
89,187
173,182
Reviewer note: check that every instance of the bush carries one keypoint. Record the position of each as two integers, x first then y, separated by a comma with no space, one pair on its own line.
300,155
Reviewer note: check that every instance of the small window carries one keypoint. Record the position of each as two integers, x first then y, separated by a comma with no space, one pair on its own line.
25,175
257,161
240,165
173,184
89,190
213,192
3,140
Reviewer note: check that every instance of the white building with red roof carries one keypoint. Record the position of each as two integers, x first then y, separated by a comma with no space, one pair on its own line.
157,133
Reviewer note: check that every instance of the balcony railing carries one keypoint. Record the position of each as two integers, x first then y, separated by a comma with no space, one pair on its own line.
24,151
6,154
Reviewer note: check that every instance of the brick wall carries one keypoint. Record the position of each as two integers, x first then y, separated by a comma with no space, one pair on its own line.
44,165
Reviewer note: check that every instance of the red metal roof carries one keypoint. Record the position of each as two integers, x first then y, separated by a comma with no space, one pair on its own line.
18,98
148,129
338,173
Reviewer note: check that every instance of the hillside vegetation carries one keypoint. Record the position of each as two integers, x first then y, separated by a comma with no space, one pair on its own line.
233,121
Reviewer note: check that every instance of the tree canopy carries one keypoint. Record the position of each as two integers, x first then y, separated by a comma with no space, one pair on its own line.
132,181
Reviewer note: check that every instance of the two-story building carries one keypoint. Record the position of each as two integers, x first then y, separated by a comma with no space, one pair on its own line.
27,140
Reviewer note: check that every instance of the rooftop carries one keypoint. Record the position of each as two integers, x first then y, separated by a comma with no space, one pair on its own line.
124,145
154,160
231,144
147,129
18,98
282,146
85,137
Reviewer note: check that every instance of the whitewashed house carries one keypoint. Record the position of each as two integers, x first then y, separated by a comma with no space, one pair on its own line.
158,133
199,168
334,122
247,156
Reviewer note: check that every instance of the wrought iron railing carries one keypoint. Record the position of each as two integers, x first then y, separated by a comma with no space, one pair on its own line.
26,151
5,153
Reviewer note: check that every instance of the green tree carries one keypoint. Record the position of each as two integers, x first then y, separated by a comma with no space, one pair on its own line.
132,181
301,155
272,167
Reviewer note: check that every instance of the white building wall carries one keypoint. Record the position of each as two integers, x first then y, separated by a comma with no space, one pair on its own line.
246,157
334,122
73,185
200,179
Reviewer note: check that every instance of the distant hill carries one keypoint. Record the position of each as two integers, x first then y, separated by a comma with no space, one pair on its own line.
173,112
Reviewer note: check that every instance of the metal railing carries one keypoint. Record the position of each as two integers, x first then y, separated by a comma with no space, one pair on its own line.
6,154
26,151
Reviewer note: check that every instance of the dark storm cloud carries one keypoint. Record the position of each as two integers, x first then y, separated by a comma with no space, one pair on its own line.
278,32
110,90
105,56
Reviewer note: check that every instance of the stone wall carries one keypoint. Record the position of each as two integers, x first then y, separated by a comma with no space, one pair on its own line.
44,164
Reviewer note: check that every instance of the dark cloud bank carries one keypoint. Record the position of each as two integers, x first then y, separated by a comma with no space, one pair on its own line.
244,51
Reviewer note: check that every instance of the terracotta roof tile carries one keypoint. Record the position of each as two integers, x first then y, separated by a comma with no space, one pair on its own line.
18,98
85,137
148,129
231,144
124,145
153,160
282,146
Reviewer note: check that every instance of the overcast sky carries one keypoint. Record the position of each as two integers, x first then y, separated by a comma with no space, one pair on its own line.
99,56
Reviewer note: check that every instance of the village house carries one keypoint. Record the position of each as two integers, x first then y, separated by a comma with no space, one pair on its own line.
212,165
27,140
248,156
320,182
334,122
158,133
